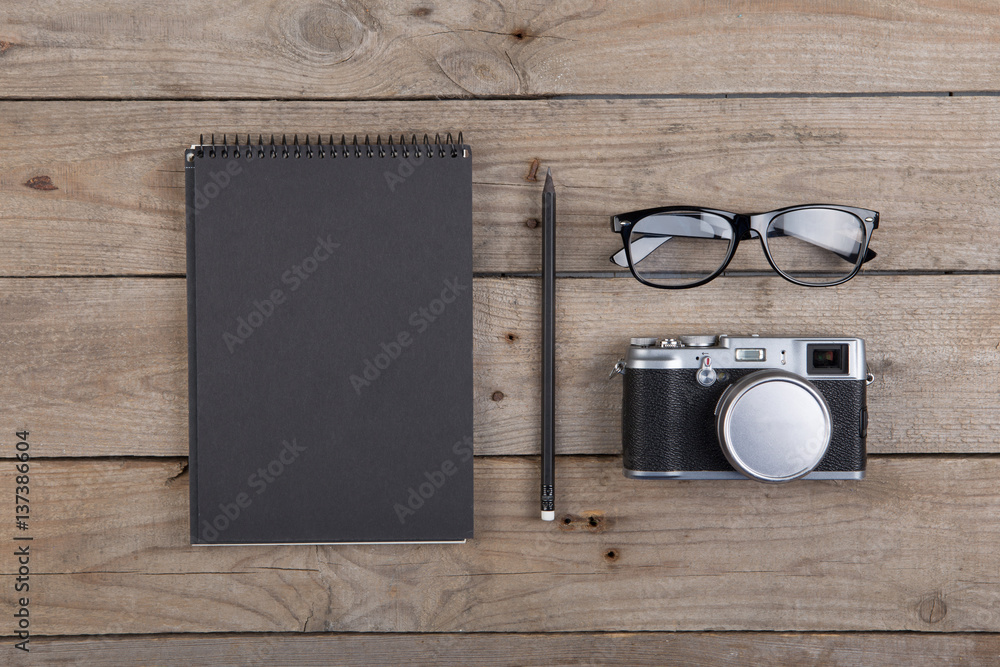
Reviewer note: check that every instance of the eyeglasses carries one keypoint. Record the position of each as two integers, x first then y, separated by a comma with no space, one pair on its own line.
674,247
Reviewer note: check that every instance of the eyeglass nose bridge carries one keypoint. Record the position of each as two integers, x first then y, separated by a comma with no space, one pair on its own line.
743,229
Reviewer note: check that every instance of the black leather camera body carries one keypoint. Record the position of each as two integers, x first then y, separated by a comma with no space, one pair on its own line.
726,407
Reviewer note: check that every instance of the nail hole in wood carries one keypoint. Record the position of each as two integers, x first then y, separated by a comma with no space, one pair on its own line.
41,183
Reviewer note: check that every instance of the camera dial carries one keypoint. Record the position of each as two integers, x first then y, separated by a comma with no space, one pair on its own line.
644,342
773,426
698,341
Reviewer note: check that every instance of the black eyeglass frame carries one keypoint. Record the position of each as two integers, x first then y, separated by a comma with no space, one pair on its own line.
742,225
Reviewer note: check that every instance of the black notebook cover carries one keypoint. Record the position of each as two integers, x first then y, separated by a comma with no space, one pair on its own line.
330,343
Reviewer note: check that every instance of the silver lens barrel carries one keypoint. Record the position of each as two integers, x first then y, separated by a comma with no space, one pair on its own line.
773,426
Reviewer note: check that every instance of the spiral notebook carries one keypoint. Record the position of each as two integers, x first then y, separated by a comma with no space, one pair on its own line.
329,293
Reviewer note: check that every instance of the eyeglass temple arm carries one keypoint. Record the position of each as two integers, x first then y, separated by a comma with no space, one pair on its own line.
641,248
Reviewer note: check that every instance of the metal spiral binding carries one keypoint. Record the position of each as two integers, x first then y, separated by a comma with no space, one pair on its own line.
308,149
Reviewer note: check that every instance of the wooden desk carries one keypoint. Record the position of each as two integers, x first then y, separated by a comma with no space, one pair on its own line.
743,106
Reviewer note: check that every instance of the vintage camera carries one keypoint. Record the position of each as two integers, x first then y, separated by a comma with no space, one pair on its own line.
737,407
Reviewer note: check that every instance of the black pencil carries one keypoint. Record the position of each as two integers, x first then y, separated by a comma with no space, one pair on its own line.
548,347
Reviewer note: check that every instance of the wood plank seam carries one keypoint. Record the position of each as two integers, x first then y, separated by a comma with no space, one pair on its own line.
927,164
909,548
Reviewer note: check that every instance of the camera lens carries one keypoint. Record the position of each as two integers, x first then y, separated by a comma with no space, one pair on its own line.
773,426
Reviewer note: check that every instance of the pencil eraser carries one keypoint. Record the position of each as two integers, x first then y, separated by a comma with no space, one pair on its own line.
548,516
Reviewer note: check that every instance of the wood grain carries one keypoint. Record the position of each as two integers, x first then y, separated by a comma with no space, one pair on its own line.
304,49
917,329
98,362
98,367
113,201
99,98
912,547
528,650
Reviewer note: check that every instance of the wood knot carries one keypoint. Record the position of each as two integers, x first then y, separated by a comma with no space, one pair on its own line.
4,47
591,522
511,337
320,32
481,72
497,396
40,183
533,171
933,609
611,555
420,12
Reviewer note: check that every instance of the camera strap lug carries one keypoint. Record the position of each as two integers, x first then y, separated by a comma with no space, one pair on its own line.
619,369
870,377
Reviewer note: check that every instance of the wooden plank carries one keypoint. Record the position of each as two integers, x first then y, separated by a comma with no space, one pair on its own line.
913,547
917,328
98,367
101,363
541,650
383,49
114,199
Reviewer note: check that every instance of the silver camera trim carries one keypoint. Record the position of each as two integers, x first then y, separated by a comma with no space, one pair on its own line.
732,474
788,354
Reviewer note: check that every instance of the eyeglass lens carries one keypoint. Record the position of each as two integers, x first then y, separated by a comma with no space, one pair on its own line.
679,248
817,245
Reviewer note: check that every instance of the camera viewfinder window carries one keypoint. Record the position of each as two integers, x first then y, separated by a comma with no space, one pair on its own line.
827,359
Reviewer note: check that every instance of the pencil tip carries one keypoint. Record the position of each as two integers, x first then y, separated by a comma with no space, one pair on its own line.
548,180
